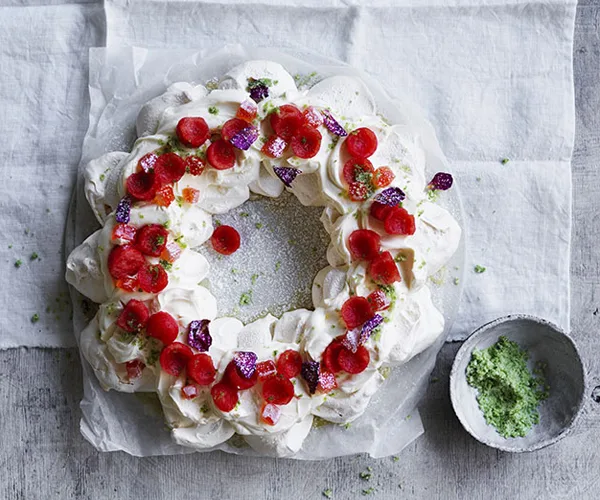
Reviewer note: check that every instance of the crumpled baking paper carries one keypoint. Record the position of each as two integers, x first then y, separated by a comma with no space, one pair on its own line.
121,81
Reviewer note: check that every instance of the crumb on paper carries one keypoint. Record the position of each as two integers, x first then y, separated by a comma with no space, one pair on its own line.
479,269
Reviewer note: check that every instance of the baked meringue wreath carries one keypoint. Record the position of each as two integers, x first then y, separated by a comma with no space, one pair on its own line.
203,150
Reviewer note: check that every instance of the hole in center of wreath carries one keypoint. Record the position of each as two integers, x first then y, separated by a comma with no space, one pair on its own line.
283,246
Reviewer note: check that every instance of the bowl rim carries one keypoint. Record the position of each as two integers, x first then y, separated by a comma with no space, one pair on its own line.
468,345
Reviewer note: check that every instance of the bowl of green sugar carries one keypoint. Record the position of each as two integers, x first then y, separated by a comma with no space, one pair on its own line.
518,383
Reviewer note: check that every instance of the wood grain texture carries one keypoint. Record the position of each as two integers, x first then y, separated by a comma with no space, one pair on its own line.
43,456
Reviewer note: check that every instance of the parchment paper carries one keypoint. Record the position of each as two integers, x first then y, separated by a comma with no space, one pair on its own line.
120,82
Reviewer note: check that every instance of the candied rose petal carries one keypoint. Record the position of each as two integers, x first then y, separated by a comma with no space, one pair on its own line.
310,373
198,335
123,211
379,300
287,174
441,181
391,196
245,362
368,328
258,90
245,138
332,124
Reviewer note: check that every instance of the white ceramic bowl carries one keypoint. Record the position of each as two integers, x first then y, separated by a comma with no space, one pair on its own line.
564,374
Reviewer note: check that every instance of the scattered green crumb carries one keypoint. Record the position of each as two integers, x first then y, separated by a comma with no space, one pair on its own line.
366,475
277,265
258,225
434,380
504,161
433,195
246,298
47,210
244,214
400,258
396,458
10,246
18,263
456,281
213,110
234,270
479,269
368,491
478,179
508,394
408,417
204,408
166,224
35,318
217,222
347,425
253,279
167,266
328,493
34,256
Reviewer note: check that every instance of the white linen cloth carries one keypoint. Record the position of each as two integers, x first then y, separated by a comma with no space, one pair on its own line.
494,78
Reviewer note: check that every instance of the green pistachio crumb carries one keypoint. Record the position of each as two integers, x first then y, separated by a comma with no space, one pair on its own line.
168,266
258,225
34,256
479,269
328,493
277,266
456,281
504,161
246,298
18,263
368,491
396,458
253,278
35,318
478,179
244,214
213,110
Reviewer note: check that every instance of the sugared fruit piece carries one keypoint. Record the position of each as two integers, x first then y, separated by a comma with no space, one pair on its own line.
190,195
146,163
379,300
232,127
164,196
306,142
274,147
151,239
383,269
355,311
162,326
201,369
383,177
174,358
357,191
354,362
361,143
221,154
289,363
189,391
225,240
247,111
327,382
124,233
330,355
286,121
124,261
169,168
399,221
192,131
141,185
234,378
134,316
134,369
364,244
270,414
194,165
277,390
153,278
265,369
356,170
224,396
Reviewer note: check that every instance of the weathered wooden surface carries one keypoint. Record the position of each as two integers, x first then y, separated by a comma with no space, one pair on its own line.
42,454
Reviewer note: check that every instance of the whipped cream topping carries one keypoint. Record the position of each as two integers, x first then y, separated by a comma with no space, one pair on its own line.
410,325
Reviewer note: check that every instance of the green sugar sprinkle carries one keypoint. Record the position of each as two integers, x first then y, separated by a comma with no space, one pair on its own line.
479,269
508,393
246,298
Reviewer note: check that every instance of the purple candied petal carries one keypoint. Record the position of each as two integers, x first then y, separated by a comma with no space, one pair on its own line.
310,373
123,210
245,361
199,336
332,124
369,326
352,339
441,181
391,196
258,92
245,138
287,174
